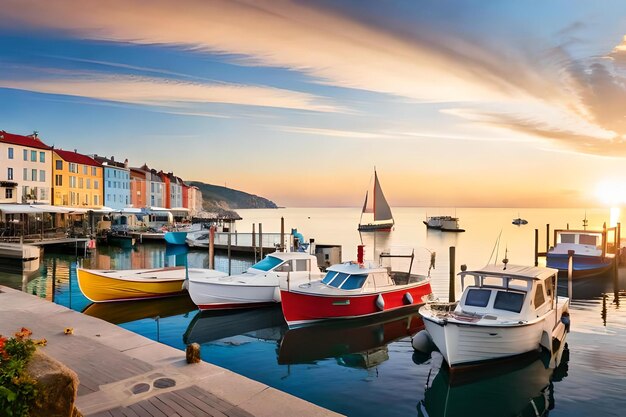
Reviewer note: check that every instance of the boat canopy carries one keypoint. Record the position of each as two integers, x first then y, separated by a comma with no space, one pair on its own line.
268,263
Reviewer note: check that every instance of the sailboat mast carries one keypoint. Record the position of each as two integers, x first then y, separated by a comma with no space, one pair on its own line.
375,182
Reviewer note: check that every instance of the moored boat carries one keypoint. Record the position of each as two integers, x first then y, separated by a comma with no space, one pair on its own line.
255,287
134,284
383,219
503,312
443,223
519,221
175,237
351,290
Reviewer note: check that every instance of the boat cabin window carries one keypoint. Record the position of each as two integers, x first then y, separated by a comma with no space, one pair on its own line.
477,297
302,265
267,263
539,297
334,278
568,238
354,282
509,301
286,267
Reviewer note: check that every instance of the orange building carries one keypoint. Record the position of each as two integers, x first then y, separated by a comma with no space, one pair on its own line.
138,191
77,180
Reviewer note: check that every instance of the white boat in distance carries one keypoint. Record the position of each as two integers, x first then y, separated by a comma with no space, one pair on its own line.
443,223
258,286
504,311
383,219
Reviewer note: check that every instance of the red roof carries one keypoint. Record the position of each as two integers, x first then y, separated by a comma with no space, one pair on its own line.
20,140
77,158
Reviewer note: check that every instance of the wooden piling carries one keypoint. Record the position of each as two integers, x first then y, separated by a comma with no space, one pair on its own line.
451,287
536,247
618,239
260,240
282,234
229,258
604,239
254,240
212,247
548,238
570,272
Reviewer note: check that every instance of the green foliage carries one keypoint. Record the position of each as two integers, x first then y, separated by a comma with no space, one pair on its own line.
17,389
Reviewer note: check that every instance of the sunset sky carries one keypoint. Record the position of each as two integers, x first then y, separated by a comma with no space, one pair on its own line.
456,103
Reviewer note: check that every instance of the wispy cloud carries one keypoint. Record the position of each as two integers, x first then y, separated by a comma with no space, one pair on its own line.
163,92
337,133
421,62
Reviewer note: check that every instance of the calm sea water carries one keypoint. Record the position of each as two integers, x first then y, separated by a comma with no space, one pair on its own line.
368,367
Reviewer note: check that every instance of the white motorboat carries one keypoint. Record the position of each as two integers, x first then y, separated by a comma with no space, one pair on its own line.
443,223
258,285
504,311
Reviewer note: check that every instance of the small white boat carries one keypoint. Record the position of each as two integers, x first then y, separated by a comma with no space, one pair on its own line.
519,221
255,287
503,312
443,223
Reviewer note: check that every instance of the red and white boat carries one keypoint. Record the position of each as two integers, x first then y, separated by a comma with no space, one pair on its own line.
351,290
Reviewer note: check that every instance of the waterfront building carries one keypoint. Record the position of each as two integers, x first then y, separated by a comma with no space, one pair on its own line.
176,192
77,180
165,178
25,169
154,187
116,182
194,200
138,191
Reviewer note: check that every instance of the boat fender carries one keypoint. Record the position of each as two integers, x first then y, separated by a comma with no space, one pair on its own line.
422,342
380,302
408,298
565,320
276,296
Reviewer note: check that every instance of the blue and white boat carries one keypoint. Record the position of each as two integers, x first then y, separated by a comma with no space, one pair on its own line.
175,238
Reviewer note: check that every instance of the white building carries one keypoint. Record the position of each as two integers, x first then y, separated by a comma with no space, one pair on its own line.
25,169
194,200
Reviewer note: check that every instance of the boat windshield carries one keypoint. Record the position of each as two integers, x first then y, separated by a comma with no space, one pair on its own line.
268,263
344,281
509,301
477,297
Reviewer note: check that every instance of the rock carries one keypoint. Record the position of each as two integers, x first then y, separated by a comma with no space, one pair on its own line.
193,353
57,385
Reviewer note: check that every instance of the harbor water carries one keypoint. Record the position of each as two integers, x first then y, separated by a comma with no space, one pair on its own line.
368,367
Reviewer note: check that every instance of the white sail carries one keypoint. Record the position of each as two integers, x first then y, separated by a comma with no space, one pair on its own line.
381,207
368,208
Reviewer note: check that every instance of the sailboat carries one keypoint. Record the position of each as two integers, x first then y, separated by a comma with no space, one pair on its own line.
383,219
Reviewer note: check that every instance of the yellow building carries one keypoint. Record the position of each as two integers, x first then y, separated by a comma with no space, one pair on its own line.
77,180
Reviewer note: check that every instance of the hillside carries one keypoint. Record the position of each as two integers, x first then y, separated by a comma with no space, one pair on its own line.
221,198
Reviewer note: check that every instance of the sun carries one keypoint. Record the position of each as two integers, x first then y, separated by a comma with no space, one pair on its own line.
611,193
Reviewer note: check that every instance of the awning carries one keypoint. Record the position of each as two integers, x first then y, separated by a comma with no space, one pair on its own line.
19,209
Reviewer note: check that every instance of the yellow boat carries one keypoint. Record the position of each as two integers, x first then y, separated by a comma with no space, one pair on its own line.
102,286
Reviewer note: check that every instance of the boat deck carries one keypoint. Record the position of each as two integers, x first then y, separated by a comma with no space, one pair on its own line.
125,374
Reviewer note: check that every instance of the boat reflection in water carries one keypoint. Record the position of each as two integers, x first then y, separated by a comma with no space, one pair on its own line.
523,387
265,323
360,343
127,311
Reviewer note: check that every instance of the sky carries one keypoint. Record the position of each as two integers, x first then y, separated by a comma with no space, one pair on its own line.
479,103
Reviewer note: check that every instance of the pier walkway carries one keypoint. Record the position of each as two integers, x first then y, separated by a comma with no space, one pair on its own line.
124,374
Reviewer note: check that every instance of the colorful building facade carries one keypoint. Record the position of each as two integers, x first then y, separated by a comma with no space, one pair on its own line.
77,180
116,182
25,169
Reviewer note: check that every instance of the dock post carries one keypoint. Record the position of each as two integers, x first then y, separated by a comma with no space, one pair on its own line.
570,272
212,247
229,263
603,239
616,279
282,234
536,247
548,238
451,288
254,241
618,240
260,240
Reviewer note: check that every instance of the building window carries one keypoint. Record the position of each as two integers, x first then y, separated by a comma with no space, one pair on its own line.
42,175
8,193
25,174
85,169
58,180
72,182
73,168
10,153
95,184
9,173
34,175
59,165
88,183
94,171
33,156
25,155
42,157
80,183
96,201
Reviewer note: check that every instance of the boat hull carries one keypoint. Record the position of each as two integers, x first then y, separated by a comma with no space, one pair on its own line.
175,238
302,308
218,296
99,288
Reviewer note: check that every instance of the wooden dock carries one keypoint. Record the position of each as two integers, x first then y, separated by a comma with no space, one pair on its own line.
125,374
